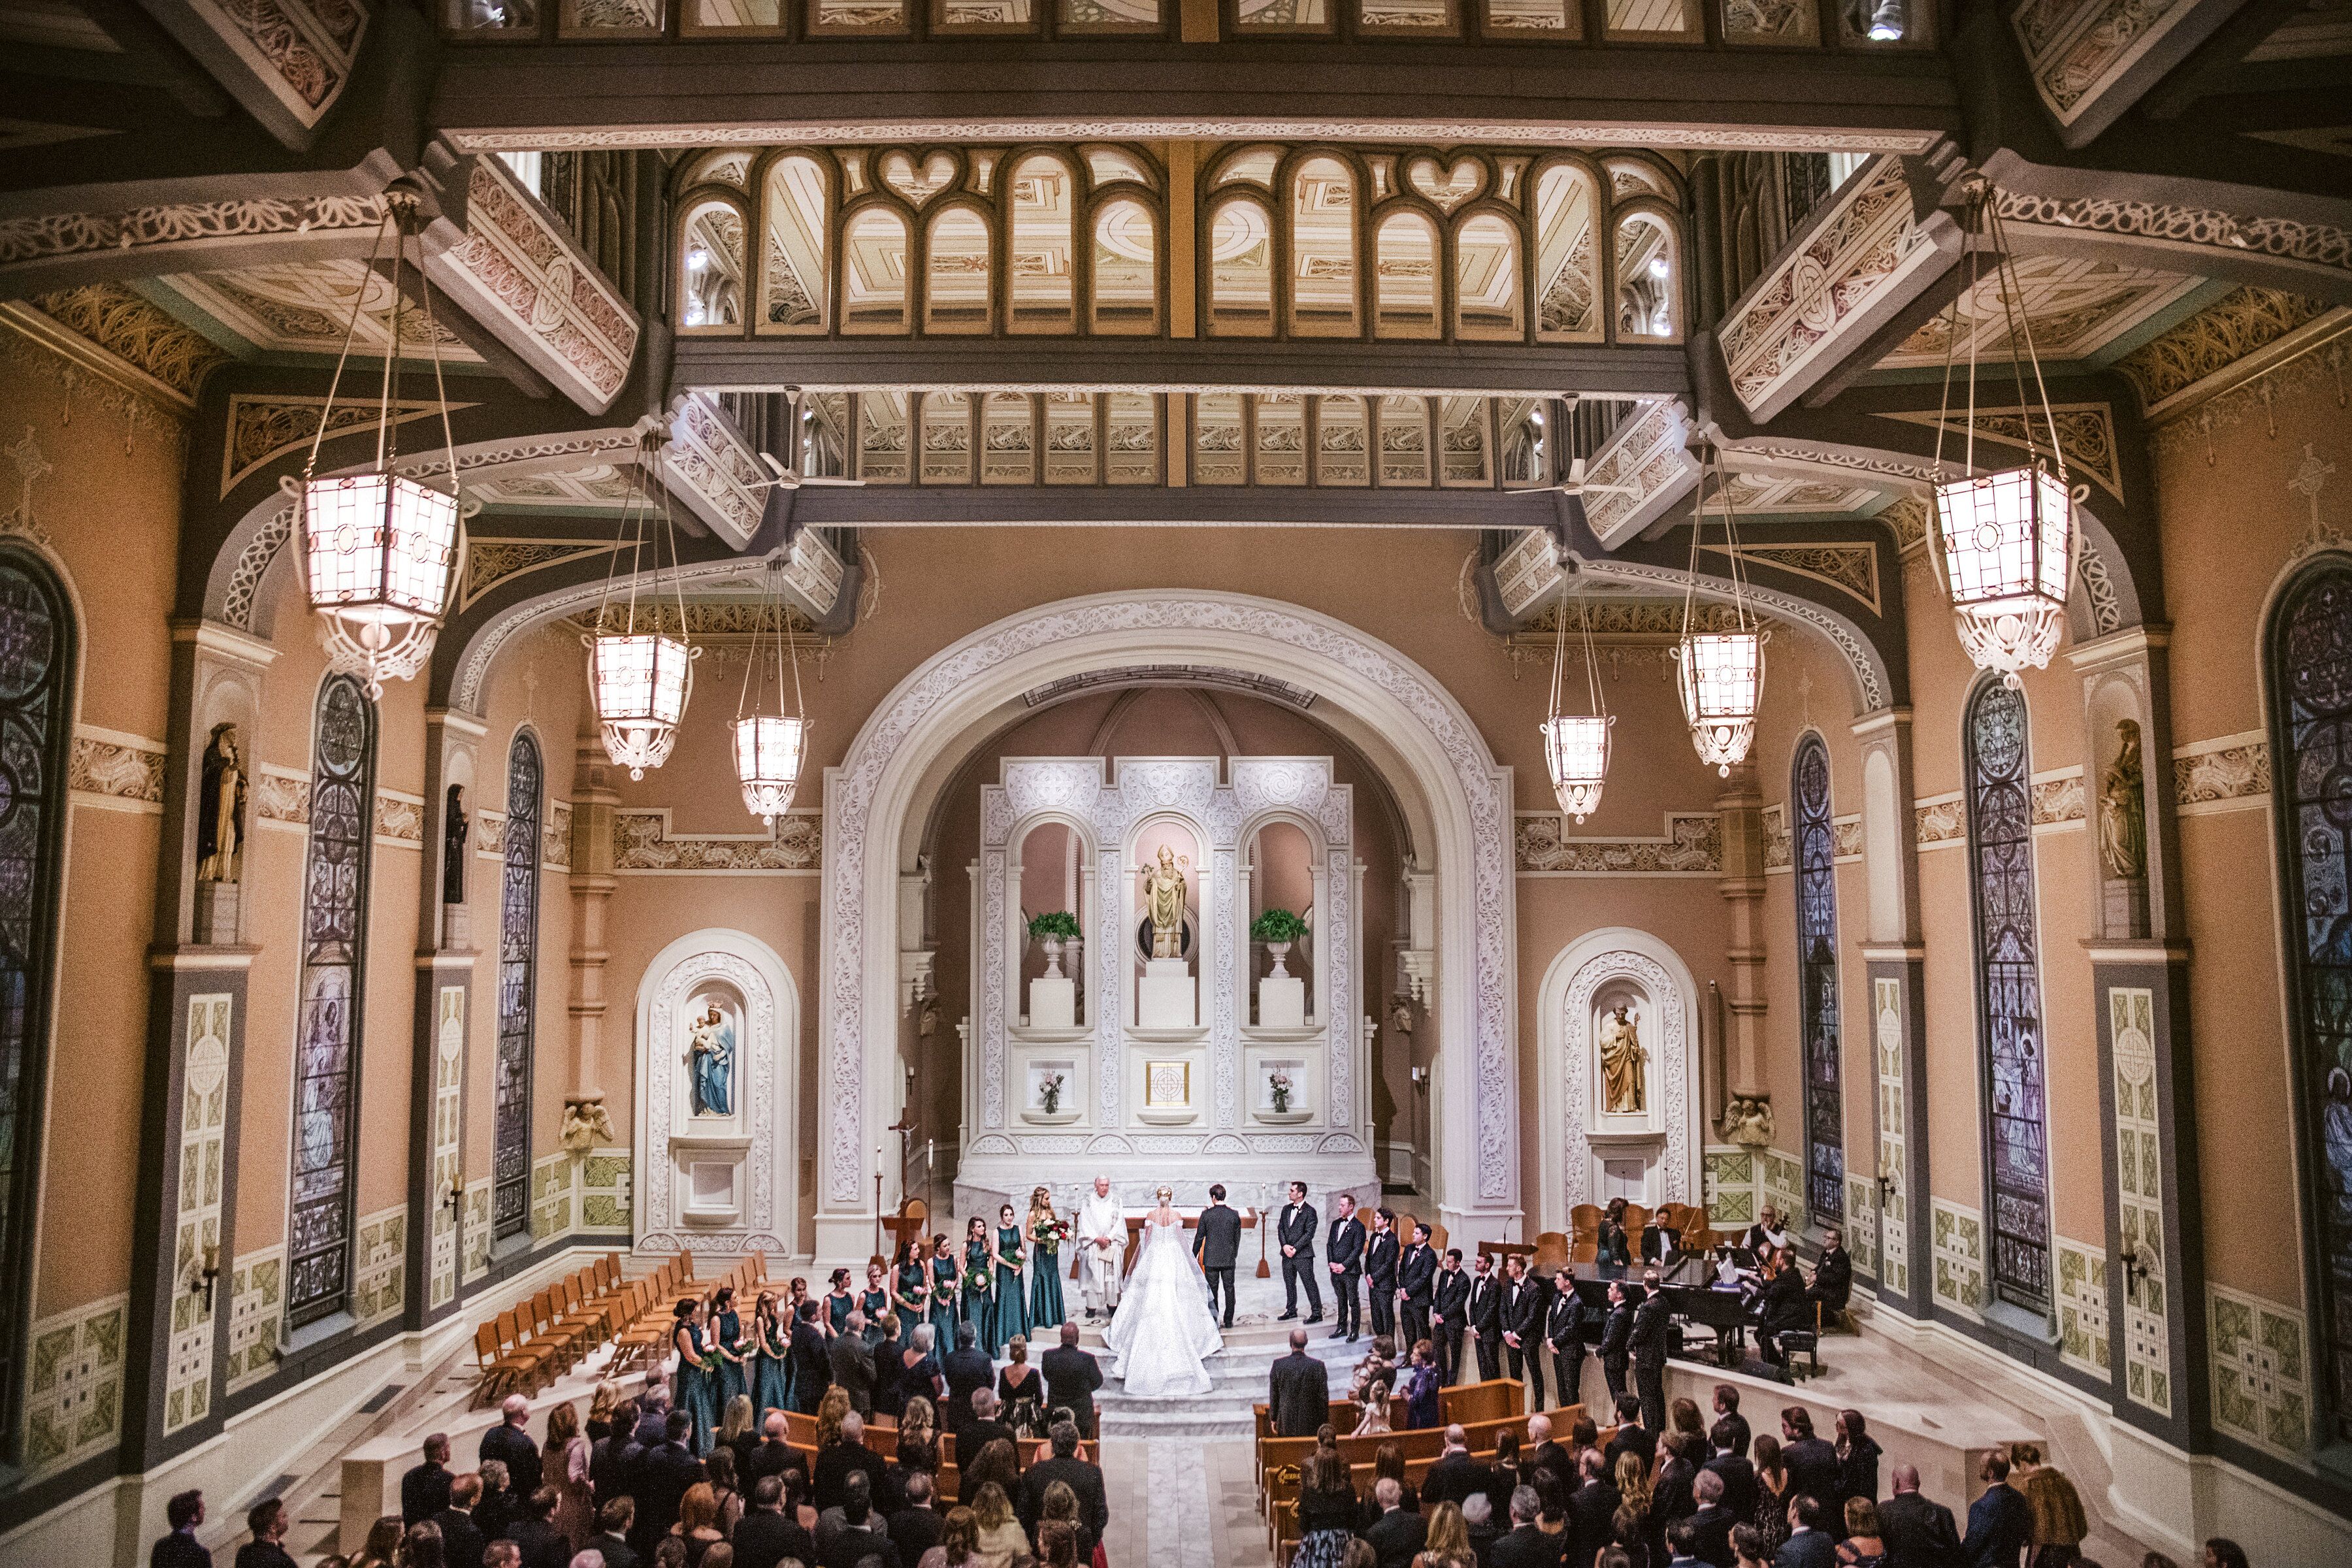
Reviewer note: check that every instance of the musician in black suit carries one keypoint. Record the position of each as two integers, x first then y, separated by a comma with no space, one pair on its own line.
1483,1315
1652,1323
1381,1271
1617,1336
1564,1330
1833,1284
1658,1240
1416,1281
1344,1251
1297,1233
1523,1316
1217,1242
1781,1307
1446,1304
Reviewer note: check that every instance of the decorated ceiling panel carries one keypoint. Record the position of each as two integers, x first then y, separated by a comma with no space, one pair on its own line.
305,307
2072,308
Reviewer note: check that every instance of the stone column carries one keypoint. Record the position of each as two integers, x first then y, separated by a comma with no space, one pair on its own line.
1893,961
587,1121
1740,810
442,1011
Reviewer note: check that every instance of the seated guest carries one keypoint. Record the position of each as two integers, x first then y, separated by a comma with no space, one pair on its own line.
1388,1465
1396,1533
1833,1284
461,1538
425,1490
267,1522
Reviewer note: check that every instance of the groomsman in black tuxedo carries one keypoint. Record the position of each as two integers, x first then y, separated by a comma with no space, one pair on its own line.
1345,1250
1297,1232
1523,1317
1565,1331
1484,1317
1416,1283
1446,1314
1381,1272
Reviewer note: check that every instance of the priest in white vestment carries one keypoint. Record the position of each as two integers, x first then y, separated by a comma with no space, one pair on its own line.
1102,1248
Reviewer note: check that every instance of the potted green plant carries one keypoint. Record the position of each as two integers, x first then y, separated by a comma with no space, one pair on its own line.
1277,929
1054,928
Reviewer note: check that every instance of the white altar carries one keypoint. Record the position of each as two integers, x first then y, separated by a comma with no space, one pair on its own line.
1199,1067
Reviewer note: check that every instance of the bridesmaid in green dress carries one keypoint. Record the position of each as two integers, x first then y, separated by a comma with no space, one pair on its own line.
910,1286
979,1305
1012,1301
1046,1233
697,1373
770,1359
947,1284
734,1355
874,1300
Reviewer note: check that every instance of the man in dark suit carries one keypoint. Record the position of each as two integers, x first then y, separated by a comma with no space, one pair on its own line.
461,1538
851,1364
987,1425
612,1539
1711,1525
1297,1231
1381,1272
1083,1477
1833,1285
425,1490
1782,1306
1653,1326
1481,1314
967,1369
1217,1242
1809,1545
914,1528
1631,1437
1072,1376
664,1476
1734,1468
1396,1537
852,1532
845,1456
1455,1475
1416,1281
1919,1533
1733,1424
1526,1545
509,1443
1540,1456
543,1545
2001,1522
1592,1505
811,1364
766,1535
1448,1305
1811,1462
1564,1332
1617,1337
180,1549
1343,1249
1299,1391
1523,1316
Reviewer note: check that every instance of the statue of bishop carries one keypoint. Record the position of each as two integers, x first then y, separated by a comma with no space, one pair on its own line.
1163,901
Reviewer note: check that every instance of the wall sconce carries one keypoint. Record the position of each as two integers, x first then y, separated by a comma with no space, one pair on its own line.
2136,1267
202,1277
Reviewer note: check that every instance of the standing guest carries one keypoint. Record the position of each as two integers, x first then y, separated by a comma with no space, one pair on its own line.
918,1456
919,1377
1343,1254
1565,1324
1546,1456
978,1284
1772,1493
1396,1533
1002,1539
1071,1378
1446,1305
1727,1411
1524,1546
946,1289
2059,1525
724,1491
1633,1437
1682,1416
1862,1547
1217,1244
1021,1391
1630,1525
422,1547
1671,1497
653,1411
845,1457
889,1354
989,1427
726,1336
767,1535
1593,1506
838,1303
1455,1475
1812,1463
564,1461
811,1363
959,1544
499,1505
968,1369
1712,1525
1522,1312
509,1443
268,1523
612,1539
853,1364
1421,1394
1060,1509
1297,1230
1012,1296
771,1357
1729,1462
2221,1552
425,1490
1449,1539
461,1538
698,1523
1326,1504
1917,1533
500,1553
775,1455
1809,1545
698,1373
1416,1286
1652,1325
1617,1336
667,1473
613,1458
1381,1272
602,1406
914,1526
543,1545
1057,1545
1748,1548
1046,1232
1682,1546
1298,1390
1858,1454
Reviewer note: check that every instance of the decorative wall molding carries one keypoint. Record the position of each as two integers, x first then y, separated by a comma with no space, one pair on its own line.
1780,847
380,1270
281,797
2201,346
1959,1251
491,561
2087,436
73,1386
39,351
551,1210
1941,820
1893,1163
262,428
2322,247
1781,1181
2139,1189
190,225
155,346
477,1262
2231,773
203,1125
2260,1371
116,772
399,820
1869,676
642,844
1850,567
605,1186
2317,358
2082,1297
448,1128
2059,798
1730,1183
1692,845
257,1302
1673,1054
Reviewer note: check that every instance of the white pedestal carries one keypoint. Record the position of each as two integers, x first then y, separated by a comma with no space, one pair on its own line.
1053,1004
1282,1003
1164,997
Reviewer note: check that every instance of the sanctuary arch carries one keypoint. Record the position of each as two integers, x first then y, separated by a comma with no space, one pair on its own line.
1457,799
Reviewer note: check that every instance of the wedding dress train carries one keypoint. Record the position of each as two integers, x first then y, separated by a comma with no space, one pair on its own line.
1163,1330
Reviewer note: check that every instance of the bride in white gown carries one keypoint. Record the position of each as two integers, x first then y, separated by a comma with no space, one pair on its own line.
1163,1328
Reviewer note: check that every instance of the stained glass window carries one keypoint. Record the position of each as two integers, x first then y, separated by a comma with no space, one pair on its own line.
2001,844
518,974
1815,853
36,654
2311,693
326,1046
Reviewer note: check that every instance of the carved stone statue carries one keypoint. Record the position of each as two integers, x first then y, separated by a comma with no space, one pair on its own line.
1163,901
1401,1014
454,831
220,815
1624,1081
1747,1122
586,1126
710,1064
2123,808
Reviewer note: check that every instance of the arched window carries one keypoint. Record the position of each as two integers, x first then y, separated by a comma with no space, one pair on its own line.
327,1045
1649,287
517,983
2000,848
1125,270
1814,851
2310,660
36,660
1241,270
1323,249
1487,278
956,273
1404,277
710,269
1044,196
1567,296
793,269
874,272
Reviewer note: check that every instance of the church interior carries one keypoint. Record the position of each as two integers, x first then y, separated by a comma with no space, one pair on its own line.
648,644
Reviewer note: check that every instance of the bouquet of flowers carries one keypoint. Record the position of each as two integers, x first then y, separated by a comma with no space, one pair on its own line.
1049,1089
1278,1083
1050,1234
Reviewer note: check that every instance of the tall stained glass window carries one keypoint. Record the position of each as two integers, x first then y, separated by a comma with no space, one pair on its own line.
2311,726
518,976
1815,853
36,657
2000,846
327,1045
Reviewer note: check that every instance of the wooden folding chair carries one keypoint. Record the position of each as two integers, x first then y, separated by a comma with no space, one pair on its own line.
496,1373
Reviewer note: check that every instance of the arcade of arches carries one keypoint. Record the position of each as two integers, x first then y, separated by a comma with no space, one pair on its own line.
1205,479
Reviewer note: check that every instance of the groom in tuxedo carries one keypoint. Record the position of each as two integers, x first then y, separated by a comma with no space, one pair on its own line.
1297,1233
1216,1242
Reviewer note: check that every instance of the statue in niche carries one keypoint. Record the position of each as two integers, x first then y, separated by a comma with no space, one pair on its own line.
2123,816
220,813
454,831
1623,1080
710,1064
1163,902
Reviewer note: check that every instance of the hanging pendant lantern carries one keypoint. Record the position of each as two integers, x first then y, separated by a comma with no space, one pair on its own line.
769,746
2006,541
1720,674
639,677
1575,745
380,550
